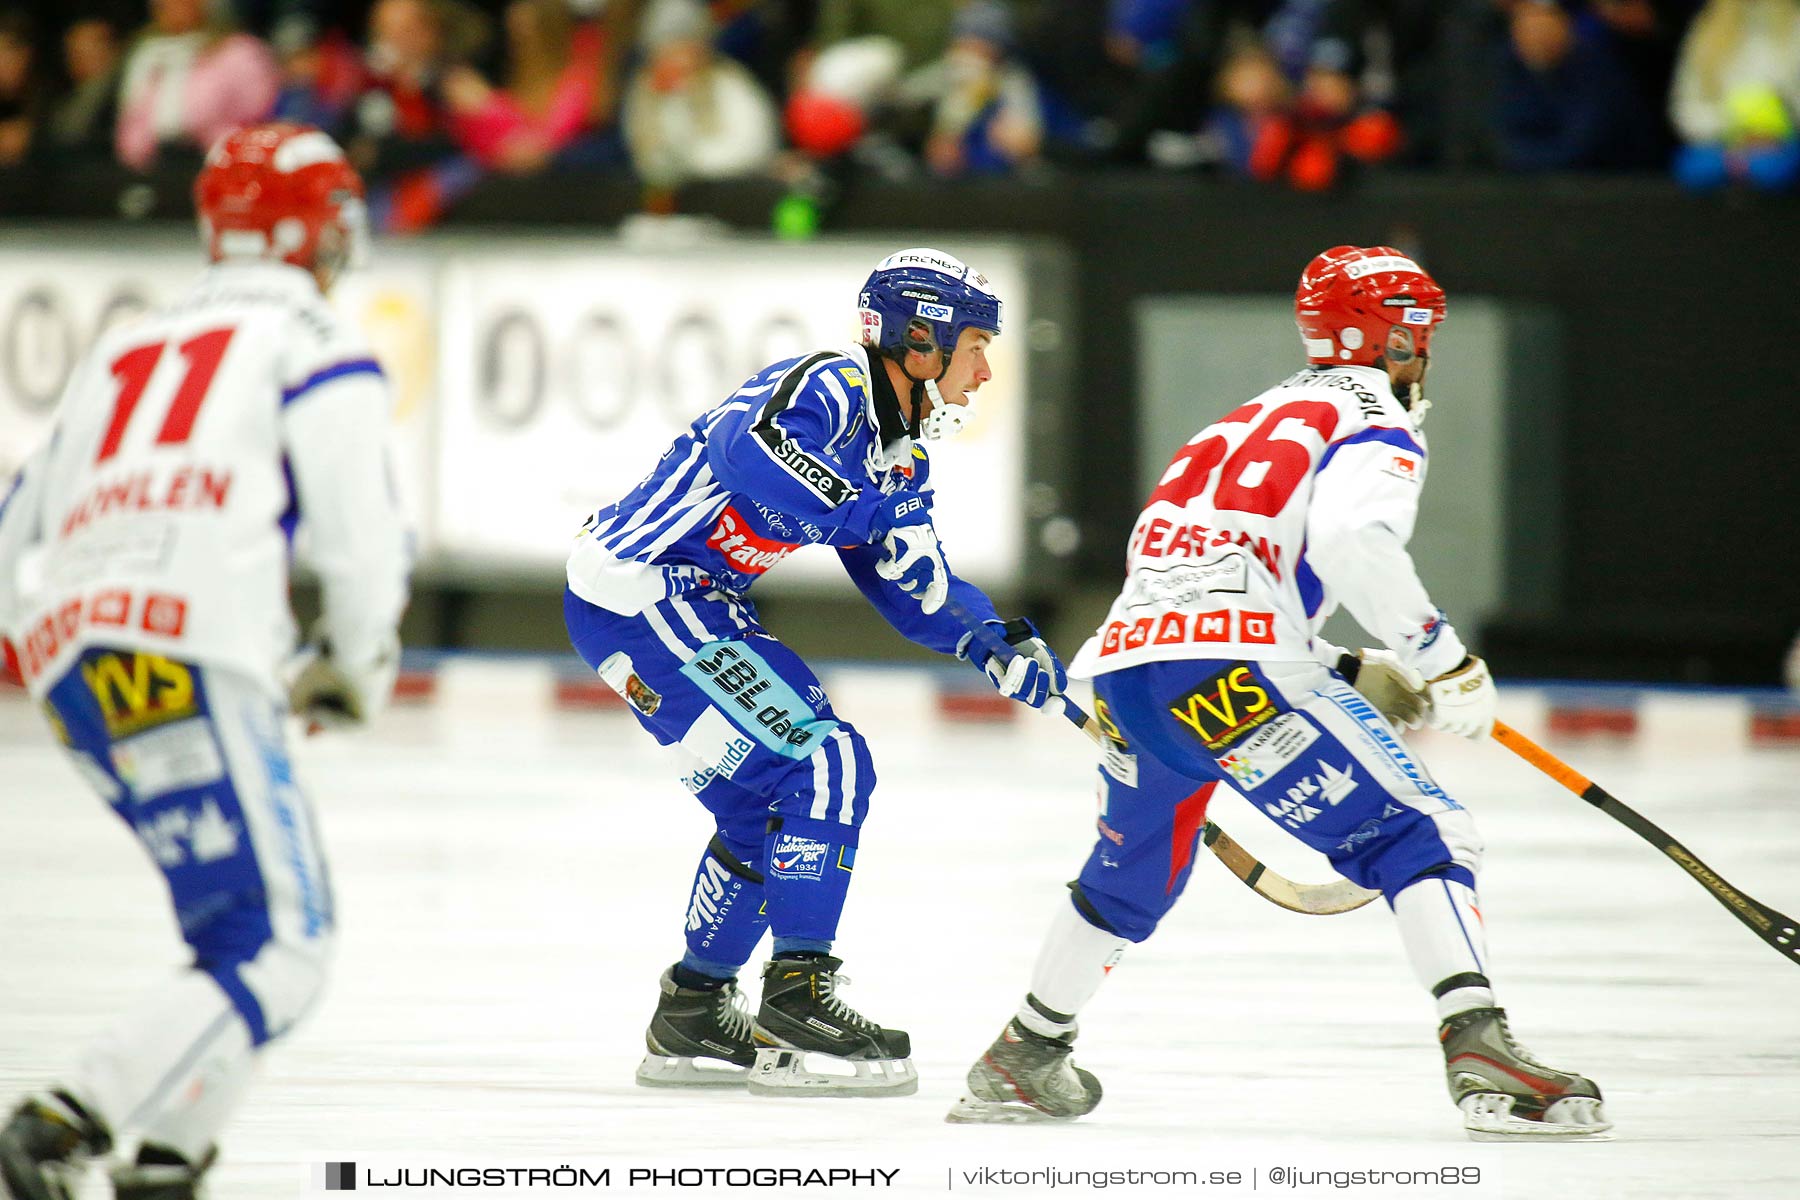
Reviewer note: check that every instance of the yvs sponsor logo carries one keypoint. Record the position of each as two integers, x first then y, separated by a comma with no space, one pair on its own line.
138,691
1226,707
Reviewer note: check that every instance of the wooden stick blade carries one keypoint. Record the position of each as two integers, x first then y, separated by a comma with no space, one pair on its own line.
1313,899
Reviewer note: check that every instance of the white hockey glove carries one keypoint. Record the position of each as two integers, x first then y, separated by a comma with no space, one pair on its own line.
328,694
1395,689
1034,676
1463,700
916,563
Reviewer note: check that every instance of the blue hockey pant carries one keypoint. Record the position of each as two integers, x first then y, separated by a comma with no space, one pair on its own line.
194,760
787,782
1298,742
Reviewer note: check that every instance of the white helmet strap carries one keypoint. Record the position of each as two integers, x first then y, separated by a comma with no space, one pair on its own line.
944,420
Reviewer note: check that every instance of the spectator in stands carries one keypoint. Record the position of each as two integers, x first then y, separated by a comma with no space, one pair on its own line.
1293,104
986,118
1253,93
283,22
1063,43
844,86
81,121
1645,36
559,85
1737,95
21,89
322,74
764,35
1119,78
400,121
1145,34
1564,103
188,81
921,28
690,112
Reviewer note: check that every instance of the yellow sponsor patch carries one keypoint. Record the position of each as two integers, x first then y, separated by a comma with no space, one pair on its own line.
1225,708
139,691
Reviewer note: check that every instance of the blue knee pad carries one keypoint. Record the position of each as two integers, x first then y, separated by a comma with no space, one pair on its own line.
1131,913
726,915
1411,846
810,849
808,863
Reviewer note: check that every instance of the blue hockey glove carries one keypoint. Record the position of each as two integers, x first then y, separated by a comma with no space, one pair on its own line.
1034,676
871,515
916,563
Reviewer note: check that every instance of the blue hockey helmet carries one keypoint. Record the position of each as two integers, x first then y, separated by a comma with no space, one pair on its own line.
922,299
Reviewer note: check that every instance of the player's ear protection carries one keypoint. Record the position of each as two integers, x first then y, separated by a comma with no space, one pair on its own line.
918,337
1399,348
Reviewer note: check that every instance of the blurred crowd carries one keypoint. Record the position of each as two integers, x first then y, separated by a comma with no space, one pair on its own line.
430,95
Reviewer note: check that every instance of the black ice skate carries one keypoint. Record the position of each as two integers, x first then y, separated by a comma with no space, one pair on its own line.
698,1038
161,1174
1025,1076
1504,1093
44,1148
802,1015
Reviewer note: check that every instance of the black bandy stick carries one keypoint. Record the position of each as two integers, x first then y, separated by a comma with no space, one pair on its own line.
1778,929
1314,899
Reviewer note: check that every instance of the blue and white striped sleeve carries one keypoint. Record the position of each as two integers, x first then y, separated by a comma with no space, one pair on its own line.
781,451
940,631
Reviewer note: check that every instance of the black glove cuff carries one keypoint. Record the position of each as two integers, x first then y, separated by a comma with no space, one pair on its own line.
1347,666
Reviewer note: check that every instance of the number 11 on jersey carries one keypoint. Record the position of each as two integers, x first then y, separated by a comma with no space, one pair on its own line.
133,370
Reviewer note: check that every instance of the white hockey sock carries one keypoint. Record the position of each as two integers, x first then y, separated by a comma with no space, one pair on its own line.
172,1069
1070,968
1440,927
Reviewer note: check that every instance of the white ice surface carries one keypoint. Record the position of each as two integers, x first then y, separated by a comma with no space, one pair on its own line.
510,885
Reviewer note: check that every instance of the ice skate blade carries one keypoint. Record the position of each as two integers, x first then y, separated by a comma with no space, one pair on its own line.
668,1071
780,1071
970,1111
1487,1117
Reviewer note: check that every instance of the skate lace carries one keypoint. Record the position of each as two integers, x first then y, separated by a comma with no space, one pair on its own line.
1519,1051
733,1013
834,1004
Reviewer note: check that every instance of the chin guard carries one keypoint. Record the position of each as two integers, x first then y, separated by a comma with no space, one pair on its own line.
944,420
1412,398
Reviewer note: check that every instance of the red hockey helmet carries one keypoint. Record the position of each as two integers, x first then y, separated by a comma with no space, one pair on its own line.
281,191
1355,305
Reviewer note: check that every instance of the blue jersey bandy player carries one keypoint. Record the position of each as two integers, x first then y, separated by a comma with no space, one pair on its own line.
819,449
1209,669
